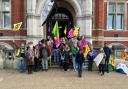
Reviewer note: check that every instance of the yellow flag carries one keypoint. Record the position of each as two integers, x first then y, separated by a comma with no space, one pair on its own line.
17,26
18,53
87,49
76,31
65,30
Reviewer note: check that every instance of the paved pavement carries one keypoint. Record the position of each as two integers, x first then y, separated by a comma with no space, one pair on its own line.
58,79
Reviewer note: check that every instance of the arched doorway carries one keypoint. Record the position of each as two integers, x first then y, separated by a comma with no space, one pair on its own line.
62,12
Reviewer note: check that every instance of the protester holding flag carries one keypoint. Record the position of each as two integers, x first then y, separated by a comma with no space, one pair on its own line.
55,51
56,42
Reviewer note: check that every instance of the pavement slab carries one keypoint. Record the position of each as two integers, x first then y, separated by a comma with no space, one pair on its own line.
59,79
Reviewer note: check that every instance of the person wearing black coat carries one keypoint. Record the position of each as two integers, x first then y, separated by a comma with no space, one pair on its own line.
79,61
107,51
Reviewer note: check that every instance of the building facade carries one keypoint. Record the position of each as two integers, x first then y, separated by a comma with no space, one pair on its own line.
99,20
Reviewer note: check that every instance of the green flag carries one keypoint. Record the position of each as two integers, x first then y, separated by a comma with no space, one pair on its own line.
56,30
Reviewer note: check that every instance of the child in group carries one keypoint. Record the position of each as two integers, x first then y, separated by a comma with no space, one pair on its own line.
79,61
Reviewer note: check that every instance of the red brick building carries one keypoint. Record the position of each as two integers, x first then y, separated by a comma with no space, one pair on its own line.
12,11
109,21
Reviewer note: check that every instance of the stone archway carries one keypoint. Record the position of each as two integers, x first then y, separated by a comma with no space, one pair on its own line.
82,18
73,3
62,12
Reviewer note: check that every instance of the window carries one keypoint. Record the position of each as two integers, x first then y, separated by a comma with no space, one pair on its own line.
115,16
5,15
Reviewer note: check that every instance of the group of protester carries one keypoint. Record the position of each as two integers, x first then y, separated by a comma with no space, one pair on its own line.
69,53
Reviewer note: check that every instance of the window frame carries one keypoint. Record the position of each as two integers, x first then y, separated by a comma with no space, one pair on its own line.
123,23
3,12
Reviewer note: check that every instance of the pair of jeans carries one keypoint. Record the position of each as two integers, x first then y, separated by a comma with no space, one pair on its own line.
45,64
56,58
80,68
74,62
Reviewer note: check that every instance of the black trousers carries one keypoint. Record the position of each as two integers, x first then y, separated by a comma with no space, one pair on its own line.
36,64
101,68
90,64
66,66
30,67
107,63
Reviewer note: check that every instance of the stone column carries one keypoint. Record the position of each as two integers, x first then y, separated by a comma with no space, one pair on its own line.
85,20
98,32
34,30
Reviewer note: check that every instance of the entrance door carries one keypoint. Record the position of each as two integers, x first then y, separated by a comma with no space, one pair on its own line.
64,18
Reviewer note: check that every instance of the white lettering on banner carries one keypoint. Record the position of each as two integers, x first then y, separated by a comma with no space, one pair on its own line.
46,10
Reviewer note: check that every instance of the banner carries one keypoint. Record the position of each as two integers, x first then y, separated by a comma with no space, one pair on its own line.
98,58
45,10
17,26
